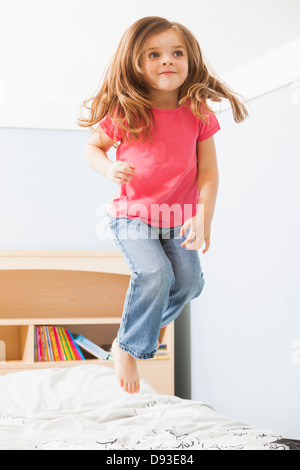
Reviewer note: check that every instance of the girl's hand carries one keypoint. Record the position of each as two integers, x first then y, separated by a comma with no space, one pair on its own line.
120,172
199,233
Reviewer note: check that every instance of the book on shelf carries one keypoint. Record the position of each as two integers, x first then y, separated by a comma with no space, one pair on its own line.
162,350
91,347
56,343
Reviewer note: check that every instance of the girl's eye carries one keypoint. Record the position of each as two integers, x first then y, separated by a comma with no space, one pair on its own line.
176,52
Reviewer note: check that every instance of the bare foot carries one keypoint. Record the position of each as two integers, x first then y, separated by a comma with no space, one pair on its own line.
126,369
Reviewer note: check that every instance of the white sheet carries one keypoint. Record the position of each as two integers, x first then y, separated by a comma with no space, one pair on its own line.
84,408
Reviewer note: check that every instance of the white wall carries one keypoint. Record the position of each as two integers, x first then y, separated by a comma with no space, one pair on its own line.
246,322
55,51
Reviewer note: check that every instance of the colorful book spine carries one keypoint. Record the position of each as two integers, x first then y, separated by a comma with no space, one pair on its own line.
48,344
78,354
41,348
44,346
53,343
63,343
40,344
35,346
59,347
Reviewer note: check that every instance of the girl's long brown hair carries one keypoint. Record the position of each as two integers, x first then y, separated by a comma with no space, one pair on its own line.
123,95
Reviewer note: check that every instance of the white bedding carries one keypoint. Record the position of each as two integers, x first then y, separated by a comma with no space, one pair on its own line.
84,408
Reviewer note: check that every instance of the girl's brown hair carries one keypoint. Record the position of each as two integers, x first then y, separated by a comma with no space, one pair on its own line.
123,94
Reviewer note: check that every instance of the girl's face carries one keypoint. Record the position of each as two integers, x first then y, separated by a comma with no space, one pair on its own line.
162,54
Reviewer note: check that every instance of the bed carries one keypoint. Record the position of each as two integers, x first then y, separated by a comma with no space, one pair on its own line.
83,408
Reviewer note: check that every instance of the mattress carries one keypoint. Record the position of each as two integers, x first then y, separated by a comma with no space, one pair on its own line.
83,408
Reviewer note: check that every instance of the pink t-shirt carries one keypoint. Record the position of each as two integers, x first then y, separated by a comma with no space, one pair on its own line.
164,190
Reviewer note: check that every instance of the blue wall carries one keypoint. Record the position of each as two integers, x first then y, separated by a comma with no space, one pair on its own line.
48,194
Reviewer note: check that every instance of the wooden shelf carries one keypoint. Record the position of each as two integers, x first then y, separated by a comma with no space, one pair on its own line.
83,290
105,261
60,321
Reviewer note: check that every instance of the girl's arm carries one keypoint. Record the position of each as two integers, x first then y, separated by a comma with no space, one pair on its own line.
95,154
208,182
208,177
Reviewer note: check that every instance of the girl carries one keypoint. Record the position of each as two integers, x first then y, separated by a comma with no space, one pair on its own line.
153,101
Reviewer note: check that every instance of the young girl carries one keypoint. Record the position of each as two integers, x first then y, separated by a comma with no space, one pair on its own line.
154,102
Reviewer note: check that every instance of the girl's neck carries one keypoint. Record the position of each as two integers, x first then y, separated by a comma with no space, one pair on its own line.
161,106
163,101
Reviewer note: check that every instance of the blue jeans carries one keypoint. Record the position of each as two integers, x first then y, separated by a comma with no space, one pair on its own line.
165,276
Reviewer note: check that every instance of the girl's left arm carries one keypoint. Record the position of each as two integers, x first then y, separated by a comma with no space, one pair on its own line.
208,182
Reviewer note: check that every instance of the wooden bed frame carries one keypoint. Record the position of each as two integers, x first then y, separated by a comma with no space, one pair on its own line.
83,290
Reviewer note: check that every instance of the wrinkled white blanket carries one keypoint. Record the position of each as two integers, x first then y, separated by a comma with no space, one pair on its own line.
84,408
